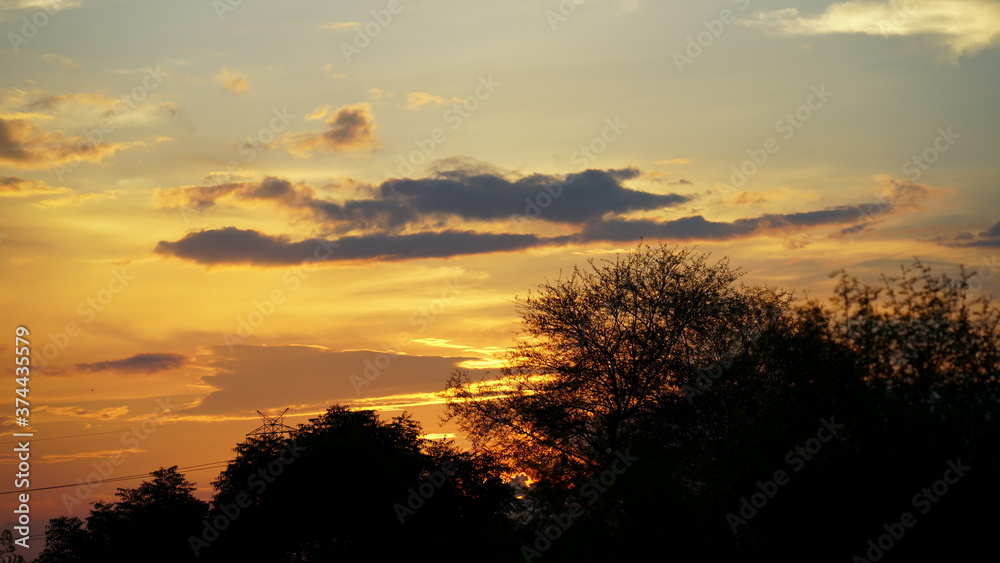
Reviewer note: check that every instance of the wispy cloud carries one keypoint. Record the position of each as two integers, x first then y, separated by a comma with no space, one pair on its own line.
51,6
96,454
24,145
417,100
109,413
964,27
65,63
13,186
990,238
340,25
232,81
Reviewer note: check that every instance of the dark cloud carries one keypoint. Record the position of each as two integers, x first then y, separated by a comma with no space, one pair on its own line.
139,363
990,238
350,128
854,229
273,188
270,188
415,218
992,233
699,228
231,245
13,133
241,246
462,194
365,214
573,198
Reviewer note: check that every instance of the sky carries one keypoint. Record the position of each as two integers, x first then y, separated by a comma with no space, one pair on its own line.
209,208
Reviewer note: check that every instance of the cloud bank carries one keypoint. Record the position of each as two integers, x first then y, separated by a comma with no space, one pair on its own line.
407,219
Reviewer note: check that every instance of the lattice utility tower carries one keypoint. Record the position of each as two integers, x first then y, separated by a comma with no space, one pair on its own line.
273,426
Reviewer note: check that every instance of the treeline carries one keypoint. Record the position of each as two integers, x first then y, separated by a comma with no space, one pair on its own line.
653,407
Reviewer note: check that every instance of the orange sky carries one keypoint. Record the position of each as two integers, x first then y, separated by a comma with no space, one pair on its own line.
208,211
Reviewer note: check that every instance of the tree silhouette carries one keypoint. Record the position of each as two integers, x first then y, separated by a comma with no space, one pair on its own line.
149,523
601,347
350,491
616,357
649,398
66,541
7,548
922,336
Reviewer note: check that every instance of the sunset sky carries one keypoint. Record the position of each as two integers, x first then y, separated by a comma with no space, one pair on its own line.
210,208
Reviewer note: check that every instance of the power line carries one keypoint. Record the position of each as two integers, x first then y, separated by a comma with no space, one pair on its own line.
188,468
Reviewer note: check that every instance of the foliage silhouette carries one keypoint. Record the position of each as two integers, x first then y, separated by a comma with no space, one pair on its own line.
909,371
649,397
8,548
601,347
150,522
346,494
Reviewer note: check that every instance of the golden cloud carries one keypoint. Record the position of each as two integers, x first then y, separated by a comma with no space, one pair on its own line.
417,100
964,27
232,81
350,128
23,145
